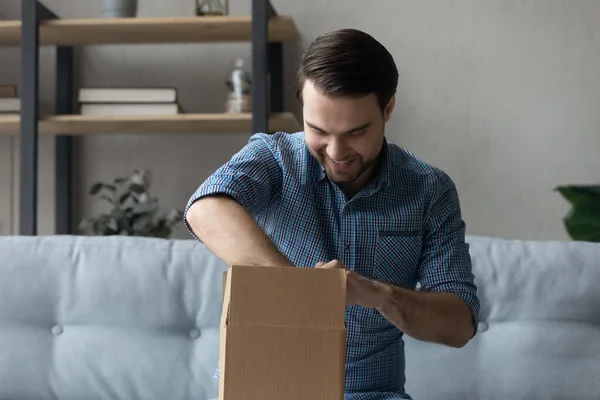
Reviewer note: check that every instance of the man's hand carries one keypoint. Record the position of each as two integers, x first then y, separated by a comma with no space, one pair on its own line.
436,317
359,290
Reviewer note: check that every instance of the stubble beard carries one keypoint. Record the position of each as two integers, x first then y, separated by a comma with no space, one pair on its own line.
346,177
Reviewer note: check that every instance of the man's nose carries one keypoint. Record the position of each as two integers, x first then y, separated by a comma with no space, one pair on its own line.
336,150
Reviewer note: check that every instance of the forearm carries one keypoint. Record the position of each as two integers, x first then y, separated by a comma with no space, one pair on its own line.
434,317
231,233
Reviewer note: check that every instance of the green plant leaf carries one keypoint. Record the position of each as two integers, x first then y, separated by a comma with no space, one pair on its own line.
112,225
85,224
96,188
583,221
99,227
123,198
105,197
117,214
125,226
141,222
142,208
162,232
134,211
583,224
581,195
139,189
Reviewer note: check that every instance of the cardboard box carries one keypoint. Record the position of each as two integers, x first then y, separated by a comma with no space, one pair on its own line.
283,334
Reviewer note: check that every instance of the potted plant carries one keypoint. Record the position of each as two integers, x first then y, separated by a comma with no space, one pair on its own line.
133,211
583,220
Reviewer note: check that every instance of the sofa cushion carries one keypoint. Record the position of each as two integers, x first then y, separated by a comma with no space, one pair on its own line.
137,318
539,336
108,318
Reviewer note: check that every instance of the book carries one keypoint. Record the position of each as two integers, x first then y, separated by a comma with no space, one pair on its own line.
8,91
130,109
10,104
127,95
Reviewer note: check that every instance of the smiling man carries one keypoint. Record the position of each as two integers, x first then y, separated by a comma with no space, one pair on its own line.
340,195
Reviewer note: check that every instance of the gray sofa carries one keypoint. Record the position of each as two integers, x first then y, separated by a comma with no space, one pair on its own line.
137,318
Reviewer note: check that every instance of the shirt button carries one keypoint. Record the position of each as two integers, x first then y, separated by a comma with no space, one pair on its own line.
347,246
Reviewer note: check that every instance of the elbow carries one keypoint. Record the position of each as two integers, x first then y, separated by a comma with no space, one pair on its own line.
191,215
195,218
463,327
460,337
458,342
203,216
203,207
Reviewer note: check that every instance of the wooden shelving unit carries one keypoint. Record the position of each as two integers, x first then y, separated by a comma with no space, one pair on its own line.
98,31
264,29
77,125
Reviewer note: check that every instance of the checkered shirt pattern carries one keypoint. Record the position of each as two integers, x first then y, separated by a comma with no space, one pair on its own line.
404,227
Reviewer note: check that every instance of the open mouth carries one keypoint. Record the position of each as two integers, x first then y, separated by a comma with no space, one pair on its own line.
341,162
341,165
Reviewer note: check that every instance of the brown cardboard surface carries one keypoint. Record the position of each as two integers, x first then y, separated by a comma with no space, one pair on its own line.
283,334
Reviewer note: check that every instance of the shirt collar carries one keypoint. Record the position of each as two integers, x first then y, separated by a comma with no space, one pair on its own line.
314,170
383,177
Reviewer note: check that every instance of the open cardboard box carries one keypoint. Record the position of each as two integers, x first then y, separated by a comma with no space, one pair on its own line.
283,335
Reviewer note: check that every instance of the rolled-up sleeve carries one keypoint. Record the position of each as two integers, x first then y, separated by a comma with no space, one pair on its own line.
446,262
251,177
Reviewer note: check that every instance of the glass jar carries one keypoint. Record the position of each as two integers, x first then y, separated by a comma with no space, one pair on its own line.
239,83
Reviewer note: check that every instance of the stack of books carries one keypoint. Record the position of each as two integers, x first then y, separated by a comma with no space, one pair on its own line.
115,101
10,103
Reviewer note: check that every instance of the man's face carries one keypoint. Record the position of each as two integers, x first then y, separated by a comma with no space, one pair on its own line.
344,134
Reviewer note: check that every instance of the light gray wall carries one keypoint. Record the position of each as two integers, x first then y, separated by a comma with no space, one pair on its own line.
502,94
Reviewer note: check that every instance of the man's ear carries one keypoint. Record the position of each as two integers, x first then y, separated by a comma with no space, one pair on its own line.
387,113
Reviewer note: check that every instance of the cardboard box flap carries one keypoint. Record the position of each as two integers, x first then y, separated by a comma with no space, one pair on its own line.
285,297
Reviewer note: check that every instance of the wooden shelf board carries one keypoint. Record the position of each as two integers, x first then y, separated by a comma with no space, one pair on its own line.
91,31
179,123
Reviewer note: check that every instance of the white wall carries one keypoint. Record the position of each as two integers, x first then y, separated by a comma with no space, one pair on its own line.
503,95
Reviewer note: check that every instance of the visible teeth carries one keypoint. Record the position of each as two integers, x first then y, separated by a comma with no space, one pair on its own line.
341,162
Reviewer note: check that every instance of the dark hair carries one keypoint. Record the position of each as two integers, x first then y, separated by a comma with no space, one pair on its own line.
348,62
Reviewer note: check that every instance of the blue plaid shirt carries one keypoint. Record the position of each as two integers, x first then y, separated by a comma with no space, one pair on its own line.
404,227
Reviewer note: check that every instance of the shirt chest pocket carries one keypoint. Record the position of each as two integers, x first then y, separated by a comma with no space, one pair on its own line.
397,255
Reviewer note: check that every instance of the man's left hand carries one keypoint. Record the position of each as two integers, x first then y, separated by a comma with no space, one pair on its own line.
361,291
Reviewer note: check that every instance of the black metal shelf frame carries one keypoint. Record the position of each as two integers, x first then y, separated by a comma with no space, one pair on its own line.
267,97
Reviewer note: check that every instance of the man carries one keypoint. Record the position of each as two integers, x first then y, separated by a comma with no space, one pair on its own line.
339,195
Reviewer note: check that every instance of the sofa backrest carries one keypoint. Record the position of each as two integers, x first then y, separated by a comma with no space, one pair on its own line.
137,318
539,335
108,318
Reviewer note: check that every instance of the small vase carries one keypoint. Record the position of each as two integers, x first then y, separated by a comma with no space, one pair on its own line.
119,8
239,83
